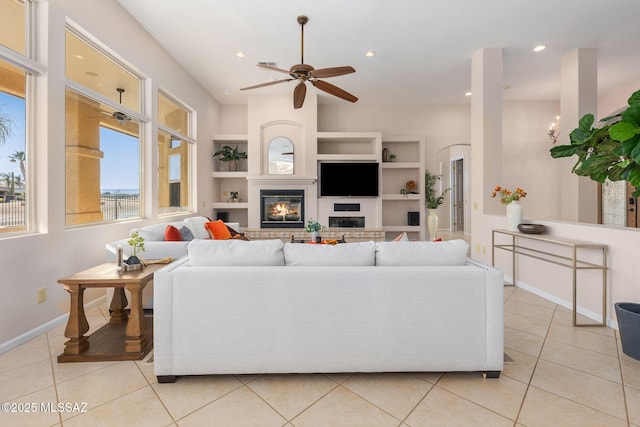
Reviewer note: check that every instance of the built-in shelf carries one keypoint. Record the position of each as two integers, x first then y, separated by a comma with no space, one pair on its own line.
401,165
401,197
229,174
225,181
229,205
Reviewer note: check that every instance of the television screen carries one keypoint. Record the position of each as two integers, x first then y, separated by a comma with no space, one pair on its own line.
354,179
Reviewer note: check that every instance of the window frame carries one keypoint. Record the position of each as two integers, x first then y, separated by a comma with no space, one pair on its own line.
174,134
140,116
33,70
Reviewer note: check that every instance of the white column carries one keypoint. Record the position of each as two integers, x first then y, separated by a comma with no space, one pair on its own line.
578,96
486,130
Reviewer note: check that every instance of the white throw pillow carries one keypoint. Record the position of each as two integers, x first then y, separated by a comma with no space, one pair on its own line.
151,233
196,225
344,254
450,252
235,252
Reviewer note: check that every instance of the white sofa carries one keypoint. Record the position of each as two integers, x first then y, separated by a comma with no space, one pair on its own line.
155,247
235,307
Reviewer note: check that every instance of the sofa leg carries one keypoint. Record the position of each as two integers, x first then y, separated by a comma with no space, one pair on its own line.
491,374
163,379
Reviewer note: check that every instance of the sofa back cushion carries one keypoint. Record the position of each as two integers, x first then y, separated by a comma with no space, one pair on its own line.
196,225
345,254
235,252
451,252
154,232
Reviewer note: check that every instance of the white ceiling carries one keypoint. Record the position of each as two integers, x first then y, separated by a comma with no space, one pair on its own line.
423,47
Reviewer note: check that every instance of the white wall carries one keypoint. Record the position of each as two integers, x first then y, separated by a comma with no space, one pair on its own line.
31,262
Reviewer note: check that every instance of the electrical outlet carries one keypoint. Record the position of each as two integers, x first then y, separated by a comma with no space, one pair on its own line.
42,295
484,250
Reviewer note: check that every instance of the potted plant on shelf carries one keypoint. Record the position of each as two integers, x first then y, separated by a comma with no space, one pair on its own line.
314,227
432,202
611,151
231,155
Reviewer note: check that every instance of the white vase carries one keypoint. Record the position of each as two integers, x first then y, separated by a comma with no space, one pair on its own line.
432,223
314,235
514,215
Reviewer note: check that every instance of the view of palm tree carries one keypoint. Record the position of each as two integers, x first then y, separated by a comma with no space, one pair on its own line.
19,157
6,126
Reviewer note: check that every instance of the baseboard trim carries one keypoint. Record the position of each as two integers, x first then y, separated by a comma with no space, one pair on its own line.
564,303
27,336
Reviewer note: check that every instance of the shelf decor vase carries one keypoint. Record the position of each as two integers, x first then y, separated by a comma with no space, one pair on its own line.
233,165
314,236
432,224
514,215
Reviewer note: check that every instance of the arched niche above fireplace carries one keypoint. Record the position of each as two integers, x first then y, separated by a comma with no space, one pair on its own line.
280,156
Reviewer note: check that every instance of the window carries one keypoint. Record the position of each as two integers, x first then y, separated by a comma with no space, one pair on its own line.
103,136
12,148
174,148
17,70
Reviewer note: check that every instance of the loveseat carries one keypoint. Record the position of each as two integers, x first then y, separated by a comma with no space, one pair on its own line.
235,307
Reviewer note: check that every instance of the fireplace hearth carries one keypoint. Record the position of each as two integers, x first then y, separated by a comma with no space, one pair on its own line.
281,208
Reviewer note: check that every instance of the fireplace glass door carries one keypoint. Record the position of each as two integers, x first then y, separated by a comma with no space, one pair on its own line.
282,208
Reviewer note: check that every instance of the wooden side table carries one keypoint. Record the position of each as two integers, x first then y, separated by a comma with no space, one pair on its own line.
127,336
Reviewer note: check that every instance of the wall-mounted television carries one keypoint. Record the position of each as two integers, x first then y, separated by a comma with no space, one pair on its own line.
349,179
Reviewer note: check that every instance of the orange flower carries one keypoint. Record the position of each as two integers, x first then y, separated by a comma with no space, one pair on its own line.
507,196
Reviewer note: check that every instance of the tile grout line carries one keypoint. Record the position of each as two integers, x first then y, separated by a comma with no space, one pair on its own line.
624,391
535,366
53,374
153,390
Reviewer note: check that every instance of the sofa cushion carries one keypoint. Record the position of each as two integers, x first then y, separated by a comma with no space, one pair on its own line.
172,234
218,230
346,254
235,252
451,252
196,225
186,233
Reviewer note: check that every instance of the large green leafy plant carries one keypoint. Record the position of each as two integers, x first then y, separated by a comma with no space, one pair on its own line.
608,152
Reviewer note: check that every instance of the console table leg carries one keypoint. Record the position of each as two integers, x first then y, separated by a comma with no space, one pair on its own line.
77,324
117,307
136,341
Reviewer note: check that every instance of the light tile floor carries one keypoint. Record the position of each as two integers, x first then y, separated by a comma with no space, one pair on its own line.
561,376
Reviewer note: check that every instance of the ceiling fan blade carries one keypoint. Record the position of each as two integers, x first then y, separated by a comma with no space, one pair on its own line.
268,67
334,90
267,84
298,95
332,72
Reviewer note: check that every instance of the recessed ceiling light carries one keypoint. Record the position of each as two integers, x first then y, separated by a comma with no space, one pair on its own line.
370,53
240,54
467,94
539,48
78,56
228,91
91,73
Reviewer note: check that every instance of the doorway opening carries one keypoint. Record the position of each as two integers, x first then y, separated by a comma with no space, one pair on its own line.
457,195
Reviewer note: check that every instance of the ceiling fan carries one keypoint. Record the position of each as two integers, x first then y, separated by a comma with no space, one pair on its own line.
121,117
306,73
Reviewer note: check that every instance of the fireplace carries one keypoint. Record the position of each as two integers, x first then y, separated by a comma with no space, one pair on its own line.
281,208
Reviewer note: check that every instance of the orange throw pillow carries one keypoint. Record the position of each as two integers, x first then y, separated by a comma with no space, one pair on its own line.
218,230
172,234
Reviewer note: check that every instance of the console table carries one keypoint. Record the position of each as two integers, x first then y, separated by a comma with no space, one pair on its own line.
521,245
120,339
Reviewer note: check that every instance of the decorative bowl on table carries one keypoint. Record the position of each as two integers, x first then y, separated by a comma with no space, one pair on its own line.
531,228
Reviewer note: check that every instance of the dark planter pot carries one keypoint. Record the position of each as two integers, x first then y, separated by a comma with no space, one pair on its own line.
628,315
